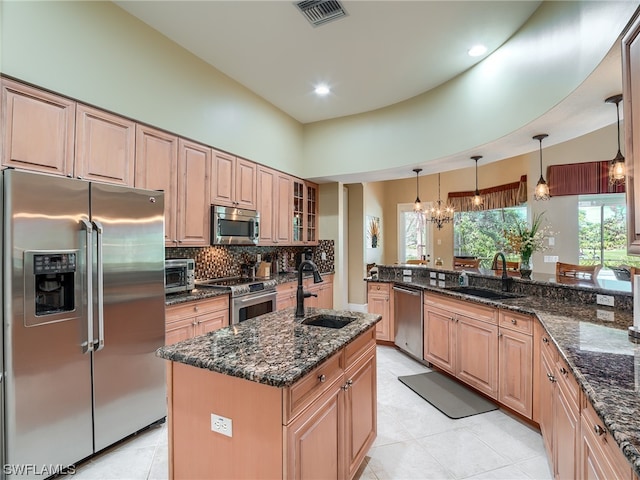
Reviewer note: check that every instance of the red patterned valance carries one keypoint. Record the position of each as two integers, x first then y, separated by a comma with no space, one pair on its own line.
502,196
580,179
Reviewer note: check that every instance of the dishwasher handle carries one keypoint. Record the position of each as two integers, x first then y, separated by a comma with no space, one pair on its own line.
415,293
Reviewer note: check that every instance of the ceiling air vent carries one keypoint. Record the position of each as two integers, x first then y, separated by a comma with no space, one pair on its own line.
319,12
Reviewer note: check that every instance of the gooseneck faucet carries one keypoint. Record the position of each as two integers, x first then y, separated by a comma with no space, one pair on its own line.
505,277
300,293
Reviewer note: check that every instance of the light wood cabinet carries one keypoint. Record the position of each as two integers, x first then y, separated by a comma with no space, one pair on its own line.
105,147
233,181
601,458
323,290
515,352
305,213
631,108
320,427
286,295
187,320
157,169
193,216
440,338
477,354
38,129
273,195
380,301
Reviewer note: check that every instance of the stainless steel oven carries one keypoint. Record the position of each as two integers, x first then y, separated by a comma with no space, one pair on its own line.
250,297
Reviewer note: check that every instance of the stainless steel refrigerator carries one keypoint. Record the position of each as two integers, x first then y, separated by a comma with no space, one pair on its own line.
83,313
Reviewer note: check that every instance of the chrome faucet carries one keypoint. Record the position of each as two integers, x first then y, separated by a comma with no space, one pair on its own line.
300,293
505,277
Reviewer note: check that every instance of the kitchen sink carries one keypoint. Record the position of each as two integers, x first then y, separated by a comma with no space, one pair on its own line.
328,321
485,293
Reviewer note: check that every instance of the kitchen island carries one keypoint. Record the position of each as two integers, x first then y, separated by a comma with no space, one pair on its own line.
273,398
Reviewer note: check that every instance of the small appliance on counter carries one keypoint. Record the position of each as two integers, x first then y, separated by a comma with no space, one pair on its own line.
179,275
305,254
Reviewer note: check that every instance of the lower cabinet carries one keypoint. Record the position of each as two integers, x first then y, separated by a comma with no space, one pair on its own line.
286,293
477,354
380,301
187,320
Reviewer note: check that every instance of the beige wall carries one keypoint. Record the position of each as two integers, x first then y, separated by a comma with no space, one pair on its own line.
373,206
99,54
331,225
356,246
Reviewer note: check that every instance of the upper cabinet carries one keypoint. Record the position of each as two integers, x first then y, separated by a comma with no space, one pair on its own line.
233,181
631,108
274,192
194,172
105,146
305,213
37,129
157,169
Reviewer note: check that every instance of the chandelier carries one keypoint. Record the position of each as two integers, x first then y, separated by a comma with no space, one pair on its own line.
440,214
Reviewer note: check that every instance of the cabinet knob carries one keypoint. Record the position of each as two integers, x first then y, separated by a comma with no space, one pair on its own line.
499,334
195,309
322,378
599,430
563,371
545,340
551,378
514,321
347,385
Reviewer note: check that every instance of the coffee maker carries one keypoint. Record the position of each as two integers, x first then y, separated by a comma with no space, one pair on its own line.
305,254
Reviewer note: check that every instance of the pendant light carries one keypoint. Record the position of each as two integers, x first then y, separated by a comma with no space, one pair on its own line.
542,189
417,206
477,198
617,170
441,214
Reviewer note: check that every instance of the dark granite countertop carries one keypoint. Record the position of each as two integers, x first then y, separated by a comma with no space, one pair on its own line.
274,349
604,361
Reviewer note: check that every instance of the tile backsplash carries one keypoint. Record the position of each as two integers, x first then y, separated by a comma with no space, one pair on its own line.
225,261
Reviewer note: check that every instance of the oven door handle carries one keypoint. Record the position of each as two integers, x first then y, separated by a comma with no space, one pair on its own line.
253,299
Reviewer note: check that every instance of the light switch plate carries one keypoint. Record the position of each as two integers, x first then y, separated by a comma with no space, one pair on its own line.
550,258
406,272
441,284
432,274
441,276
605,300
433,282
221,425
606,315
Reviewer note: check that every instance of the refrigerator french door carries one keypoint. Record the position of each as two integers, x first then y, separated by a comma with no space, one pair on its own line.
83,287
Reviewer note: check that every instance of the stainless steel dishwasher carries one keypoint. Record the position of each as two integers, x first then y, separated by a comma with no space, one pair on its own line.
408,320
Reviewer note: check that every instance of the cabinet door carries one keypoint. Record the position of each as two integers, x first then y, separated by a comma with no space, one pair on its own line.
267,196
378,301
516,370
325,294
286,295
194,166
211,321
313,439
297,233
156,169
546,393
179,330
311,214
283,208
245,178
566,429
222,179
360,410
477,354
37,130
105,147
440,339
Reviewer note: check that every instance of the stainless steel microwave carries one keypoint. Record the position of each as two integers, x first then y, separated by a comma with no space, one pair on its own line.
234,226
179,275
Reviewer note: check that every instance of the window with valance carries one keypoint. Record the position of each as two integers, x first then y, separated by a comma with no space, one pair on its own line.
501,196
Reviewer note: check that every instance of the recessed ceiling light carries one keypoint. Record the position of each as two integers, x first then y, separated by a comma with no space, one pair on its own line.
477,50
322,90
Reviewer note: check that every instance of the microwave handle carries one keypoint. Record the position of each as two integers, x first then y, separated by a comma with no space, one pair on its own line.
255,230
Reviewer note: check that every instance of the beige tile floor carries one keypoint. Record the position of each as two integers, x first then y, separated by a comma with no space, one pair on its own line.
415,441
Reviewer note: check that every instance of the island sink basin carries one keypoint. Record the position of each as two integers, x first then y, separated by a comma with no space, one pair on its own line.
328,321
484,293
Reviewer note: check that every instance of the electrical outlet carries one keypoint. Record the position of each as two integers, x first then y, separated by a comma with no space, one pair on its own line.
550,258
407,279
552,241
221,425
433,282
441,276
441,284
604,300
323,256
606,315
406,272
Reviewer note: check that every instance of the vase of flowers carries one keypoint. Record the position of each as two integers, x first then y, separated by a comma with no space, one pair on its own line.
524,240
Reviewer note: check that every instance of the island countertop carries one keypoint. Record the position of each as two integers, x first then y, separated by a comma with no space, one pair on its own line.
275,349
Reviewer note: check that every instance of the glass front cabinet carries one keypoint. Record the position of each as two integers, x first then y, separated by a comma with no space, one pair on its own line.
305,213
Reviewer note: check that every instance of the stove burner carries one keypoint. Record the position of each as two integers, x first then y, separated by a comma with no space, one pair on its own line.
239,285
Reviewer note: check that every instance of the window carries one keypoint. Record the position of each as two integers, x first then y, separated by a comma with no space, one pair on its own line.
602,230
414,234
481,233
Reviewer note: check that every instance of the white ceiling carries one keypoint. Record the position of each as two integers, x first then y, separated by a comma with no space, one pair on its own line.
383,52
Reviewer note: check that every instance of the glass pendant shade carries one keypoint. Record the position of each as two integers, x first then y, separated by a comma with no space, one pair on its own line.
542,189
441,213
477,200
417,205
617,169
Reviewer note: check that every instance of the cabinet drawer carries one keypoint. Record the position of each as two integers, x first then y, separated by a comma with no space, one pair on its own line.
302,393
355,349
174,313
470,309
289,287
567,381
378,288
516,321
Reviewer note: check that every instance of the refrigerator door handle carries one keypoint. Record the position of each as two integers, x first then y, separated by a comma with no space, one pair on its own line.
100,344
86,225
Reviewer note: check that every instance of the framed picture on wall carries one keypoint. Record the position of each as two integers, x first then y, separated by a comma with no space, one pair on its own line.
373,231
